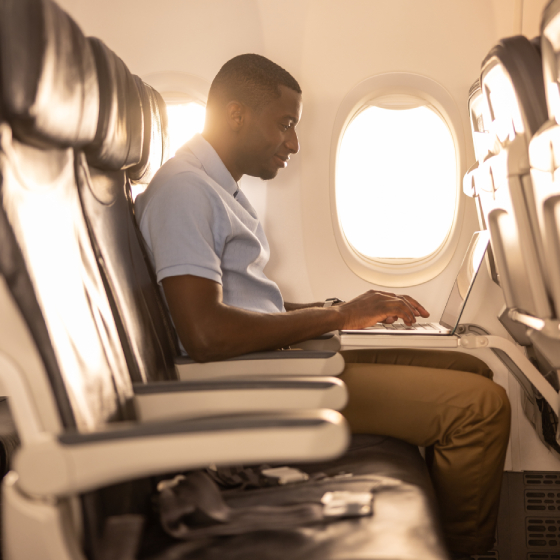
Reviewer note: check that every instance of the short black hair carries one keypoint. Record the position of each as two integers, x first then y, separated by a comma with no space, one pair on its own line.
251,79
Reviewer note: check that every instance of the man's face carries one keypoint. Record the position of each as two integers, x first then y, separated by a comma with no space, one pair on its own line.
268,136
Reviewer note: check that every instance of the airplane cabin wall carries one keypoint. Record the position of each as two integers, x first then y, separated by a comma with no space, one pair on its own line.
329,46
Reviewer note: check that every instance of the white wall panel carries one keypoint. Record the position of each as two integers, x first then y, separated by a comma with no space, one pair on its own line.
532,10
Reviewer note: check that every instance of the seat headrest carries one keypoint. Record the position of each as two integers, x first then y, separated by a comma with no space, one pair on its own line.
48,81
520,61
550,23
550,45
120,130
155,150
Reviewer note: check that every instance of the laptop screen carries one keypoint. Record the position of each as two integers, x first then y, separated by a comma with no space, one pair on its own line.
465,280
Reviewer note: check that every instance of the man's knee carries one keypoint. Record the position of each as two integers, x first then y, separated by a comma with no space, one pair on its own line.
492,402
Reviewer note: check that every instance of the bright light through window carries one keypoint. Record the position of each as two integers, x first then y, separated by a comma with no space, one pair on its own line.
396,182
185,120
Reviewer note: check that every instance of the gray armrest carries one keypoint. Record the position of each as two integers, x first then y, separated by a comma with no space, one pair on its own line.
329,342
261,364
183,399
78,462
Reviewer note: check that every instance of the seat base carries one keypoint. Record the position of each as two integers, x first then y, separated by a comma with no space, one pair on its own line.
404,525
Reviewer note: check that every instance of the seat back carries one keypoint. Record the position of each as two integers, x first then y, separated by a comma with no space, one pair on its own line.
41,209
544,155
513,89
550,45
104,188
47,259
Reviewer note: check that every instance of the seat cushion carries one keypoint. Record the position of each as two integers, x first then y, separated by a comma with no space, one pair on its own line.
404,524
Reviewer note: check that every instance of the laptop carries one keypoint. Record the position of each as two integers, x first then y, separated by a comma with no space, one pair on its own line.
455,304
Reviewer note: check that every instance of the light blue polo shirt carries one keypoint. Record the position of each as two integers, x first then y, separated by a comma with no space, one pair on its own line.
195,220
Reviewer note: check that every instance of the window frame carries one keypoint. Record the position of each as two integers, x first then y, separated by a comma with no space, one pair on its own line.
399,272
171,85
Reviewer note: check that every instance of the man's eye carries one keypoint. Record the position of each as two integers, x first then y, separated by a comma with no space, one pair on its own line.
285,127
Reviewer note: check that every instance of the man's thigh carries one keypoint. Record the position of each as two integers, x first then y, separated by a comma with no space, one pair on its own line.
438,359
417,404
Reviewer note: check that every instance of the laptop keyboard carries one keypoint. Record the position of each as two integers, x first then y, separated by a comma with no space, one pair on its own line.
403,327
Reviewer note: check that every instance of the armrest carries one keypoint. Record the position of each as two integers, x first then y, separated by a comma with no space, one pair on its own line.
182,399
261,364
329,342
78,462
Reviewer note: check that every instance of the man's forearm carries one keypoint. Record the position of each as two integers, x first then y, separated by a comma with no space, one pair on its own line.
230,331
295,306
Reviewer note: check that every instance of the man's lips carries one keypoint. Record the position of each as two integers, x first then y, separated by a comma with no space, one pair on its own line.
282,160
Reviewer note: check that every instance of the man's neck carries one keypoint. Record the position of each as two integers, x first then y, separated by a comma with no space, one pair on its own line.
224,153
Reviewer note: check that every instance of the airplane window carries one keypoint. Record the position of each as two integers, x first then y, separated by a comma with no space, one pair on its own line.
396,180
185,120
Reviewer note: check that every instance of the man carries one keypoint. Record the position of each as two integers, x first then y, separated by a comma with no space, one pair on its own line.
209,251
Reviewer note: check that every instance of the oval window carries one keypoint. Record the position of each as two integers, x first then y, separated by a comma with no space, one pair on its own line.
396,180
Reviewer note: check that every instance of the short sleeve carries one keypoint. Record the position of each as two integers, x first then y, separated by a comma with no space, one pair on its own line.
185,225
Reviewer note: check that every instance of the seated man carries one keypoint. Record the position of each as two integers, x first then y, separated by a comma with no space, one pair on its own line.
209,251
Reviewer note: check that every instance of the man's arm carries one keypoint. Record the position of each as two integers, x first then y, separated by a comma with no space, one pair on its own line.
294,306
211,330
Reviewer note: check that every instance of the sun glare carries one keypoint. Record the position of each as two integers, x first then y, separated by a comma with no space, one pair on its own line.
396,182
185,120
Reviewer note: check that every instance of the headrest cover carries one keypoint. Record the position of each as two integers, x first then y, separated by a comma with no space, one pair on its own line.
550,23
120,131
47,74
521,62
550,45
155,151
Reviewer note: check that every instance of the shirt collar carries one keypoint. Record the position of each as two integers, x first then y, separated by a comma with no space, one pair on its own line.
212,164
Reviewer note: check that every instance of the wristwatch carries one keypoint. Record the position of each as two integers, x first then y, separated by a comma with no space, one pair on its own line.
332,301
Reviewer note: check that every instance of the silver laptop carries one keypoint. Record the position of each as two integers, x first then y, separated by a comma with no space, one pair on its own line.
455,304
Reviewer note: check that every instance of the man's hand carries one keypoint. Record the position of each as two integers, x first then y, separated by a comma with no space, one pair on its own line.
380,307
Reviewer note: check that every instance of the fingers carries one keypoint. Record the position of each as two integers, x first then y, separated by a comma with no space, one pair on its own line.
418,309
396,307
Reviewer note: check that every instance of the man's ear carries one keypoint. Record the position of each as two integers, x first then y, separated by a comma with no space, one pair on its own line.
236,114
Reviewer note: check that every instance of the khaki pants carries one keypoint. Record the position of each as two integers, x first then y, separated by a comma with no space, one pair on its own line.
431,398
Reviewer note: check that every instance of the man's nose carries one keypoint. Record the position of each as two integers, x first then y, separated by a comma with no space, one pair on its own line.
292,142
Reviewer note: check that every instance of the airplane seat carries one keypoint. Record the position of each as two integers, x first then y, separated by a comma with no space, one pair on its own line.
155,149
513,89
544,152
123,137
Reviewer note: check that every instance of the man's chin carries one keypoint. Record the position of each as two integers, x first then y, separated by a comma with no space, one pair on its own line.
266,175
